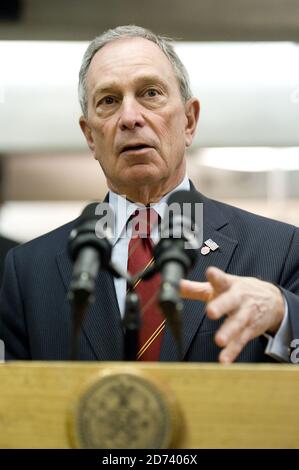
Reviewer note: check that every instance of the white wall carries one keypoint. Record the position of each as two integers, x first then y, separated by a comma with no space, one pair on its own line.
249,94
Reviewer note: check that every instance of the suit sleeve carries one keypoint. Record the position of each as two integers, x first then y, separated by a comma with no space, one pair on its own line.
290,284
13,328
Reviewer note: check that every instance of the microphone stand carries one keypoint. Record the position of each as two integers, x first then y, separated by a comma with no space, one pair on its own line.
81,296
79,305
131,324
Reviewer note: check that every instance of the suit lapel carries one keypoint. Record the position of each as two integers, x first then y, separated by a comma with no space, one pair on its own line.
194,310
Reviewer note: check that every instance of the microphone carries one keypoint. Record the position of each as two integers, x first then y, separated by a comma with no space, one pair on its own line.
90,249
177,251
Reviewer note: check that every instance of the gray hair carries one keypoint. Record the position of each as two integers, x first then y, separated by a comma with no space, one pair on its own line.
131,31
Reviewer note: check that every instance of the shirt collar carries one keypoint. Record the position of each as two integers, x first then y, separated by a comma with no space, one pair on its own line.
123,209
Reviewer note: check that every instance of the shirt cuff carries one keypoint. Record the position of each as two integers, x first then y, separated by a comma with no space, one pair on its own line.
278,346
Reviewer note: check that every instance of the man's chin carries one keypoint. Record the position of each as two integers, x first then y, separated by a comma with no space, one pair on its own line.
137,180
142,173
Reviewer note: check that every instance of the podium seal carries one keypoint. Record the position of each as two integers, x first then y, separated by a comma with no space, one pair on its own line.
124,411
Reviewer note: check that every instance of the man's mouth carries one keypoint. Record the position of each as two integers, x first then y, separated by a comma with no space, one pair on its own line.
135,148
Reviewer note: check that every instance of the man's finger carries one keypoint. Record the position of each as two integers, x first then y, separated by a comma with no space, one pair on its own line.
234,348
196,290
220,280
224,304
231,327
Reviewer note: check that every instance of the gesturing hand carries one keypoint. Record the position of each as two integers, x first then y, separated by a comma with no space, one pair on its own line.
252,307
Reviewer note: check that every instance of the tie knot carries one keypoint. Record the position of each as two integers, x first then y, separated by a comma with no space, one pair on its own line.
143,222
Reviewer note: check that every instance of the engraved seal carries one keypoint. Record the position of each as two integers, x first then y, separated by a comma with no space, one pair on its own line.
123,411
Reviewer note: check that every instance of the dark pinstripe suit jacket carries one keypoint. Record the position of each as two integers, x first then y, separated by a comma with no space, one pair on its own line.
35,313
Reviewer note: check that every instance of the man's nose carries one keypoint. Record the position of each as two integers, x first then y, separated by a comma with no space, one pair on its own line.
131,114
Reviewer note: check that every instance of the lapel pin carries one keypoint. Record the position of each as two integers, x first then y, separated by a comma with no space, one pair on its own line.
205,250
211,244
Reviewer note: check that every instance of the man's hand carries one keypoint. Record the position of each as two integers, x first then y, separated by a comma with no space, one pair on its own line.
252,307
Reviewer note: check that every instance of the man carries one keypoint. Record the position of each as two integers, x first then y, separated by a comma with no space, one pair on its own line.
138,119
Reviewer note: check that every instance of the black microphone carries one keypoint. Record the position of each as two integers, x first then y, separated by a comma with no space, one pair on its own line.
177,251
90,249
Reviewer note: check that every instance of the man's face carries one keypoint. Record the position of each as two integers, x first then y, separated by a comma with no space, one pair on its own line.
137,126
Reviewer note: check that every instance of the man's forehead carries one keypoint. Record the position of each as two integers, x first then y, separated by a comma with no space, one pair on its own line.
129,52
138,79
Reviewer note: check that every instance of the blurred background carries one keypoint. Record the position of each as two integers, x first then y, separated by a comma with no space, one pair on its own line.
243,61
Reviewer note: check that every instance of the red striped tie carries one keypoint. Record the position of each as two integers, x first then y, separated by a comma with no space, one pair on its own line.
139,258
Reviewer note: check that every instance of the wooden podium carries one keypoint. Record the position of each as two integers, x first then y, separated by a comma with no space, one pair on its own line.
52,405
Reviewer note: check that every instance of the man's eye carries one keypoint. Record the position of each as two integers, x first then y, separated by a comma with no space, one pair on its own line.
107,100
151,92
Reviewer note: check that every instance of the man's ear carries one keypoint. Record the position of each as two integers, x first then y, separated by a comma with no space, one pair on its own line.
87,132
192,109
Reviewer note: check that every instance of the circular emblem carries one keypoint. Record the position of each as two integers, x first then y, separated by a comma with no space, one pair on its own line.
123,411
205,250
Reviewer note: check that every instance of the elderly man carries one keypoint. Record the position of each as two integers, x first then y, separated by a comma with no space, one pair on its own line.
242,299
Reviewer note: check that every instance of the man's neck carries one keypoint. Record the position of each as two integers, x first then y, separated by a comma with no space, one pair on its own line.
114,197
147,195
123,208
